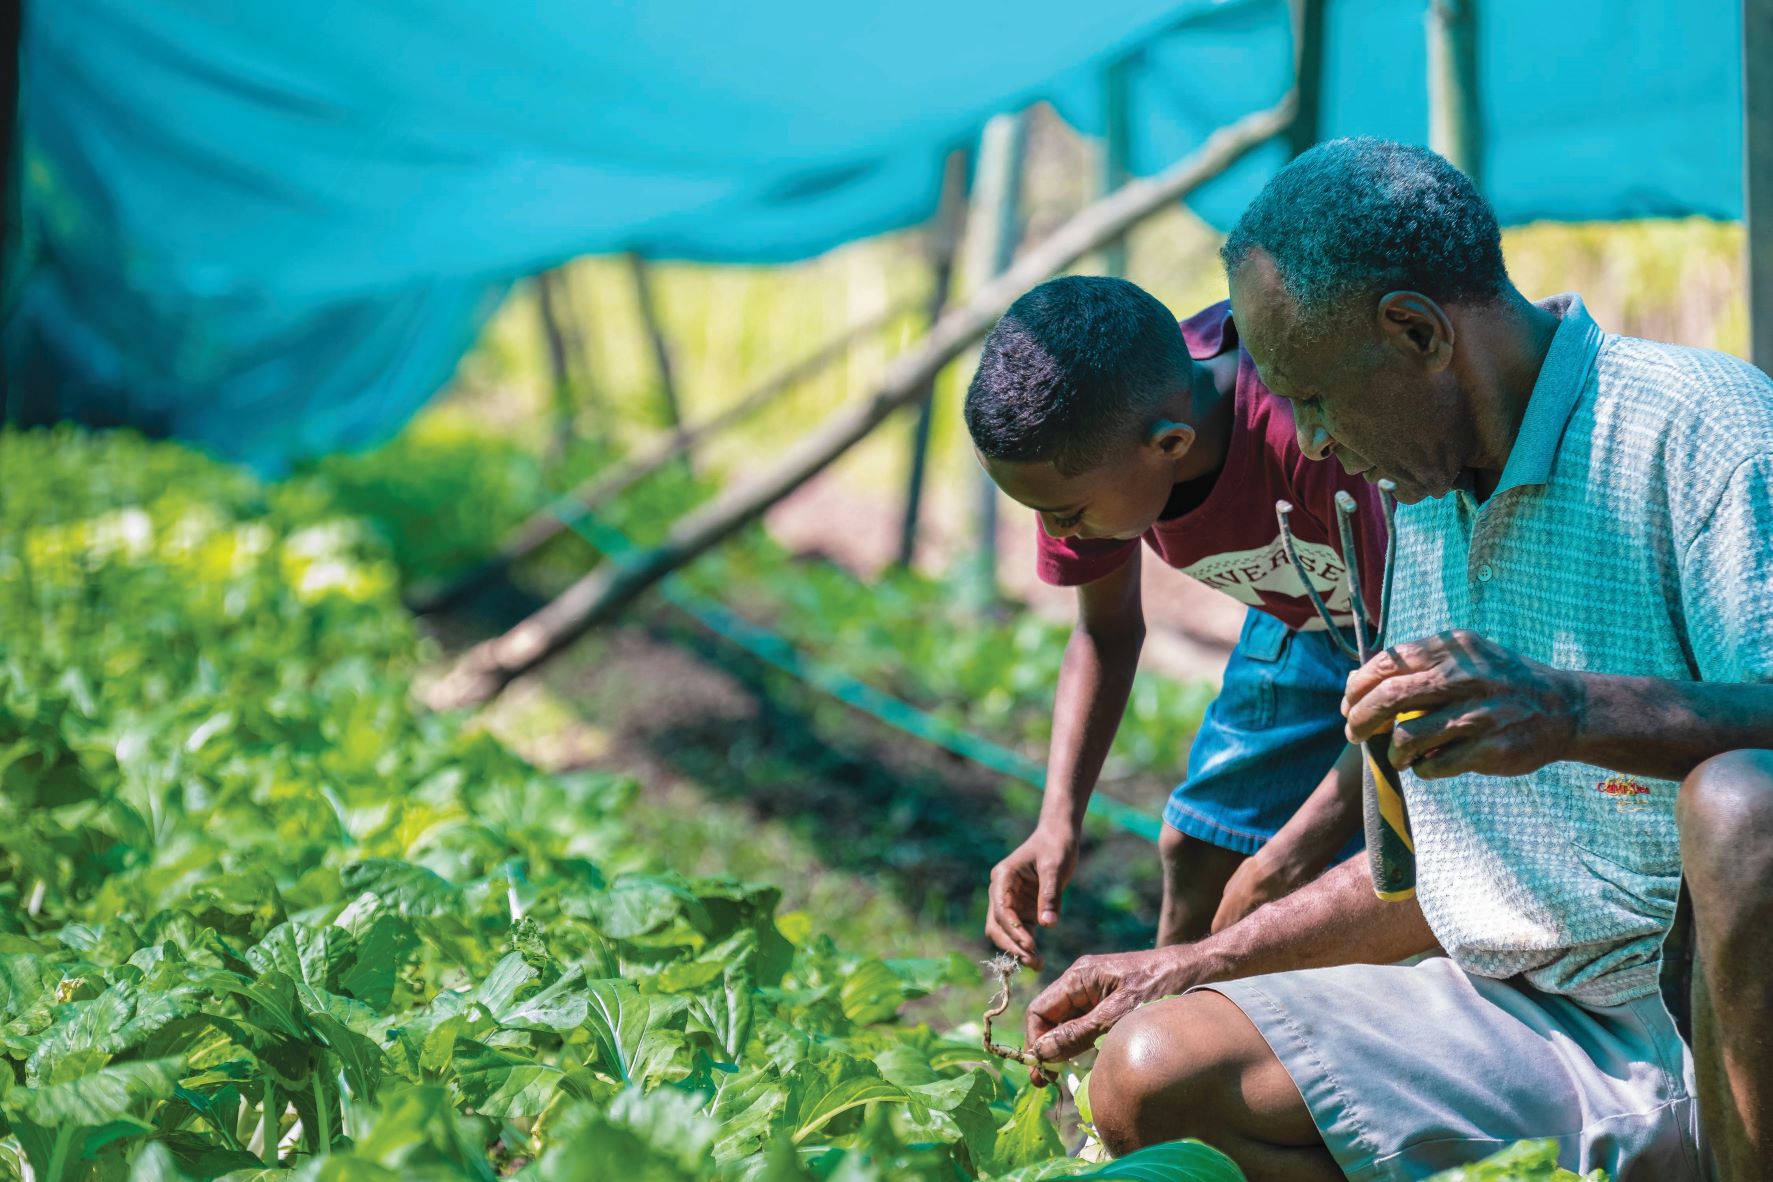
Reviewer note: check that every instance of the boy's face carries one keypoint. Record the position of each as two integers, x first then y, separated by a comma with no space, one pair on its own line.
1120,498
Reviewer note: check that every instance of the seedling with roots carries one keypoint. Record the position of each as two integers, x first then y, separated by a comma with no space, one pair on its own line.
1003,966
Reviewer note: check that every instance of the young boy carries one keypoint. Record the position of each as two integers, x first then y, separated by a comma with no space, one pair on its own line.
1090,408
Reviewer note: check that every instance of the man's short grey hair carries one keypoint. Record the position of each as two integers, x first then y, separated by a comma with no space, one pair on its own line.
1361,217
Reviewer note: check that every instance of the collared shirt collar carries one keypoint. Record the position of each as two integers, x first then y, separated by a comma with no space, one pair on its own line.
1562,378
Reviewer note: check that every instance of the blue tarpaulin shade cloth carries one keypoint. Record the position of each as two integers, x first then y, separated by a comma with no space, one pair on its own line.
274,232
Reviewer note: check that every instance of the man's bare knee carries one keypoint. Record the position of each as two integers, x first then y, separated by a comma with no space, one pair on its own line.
1725,812
1165,1071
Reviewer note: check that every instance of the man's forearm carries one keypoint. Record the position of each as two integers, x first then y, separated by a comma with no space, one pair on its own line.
1336,919
1650,727
1095,680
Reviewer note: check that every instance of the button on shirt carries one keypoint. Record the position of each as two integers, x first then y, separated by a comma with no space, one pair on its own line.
1631,533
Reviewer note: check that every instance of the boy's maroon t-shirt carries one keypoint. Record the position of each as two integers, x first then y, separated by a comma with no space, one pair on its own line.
1230,540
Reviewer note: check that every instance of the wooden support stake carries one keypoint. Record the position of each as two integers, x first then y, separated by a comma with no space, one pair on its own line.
998,197
1455,116
945,234
655,335
1757,158
565,400
1117,135
488,667
11,219
1308,68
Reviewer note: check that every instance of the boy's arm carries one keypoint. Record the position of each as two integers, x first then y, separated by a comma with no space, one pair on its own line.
1302,848
1094,681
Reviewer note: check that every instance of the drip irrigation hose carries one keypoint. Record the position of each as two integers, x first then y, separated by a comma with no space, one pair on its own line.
776,651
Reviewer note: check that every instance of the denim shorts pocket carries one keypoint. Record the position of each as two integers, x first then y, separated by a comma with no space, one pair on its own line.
1247,695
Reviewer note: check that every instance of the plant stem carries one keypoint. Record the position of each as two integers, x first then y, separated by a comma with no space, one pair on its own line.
58,1156
268,1114
323,1127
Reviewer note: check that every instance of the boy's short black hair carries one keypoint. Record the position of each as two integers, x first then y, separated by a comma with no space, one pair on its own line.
1074,368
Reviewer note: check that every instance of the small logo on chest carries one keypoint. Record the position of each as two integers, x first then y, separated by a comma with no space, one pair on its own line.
1629,794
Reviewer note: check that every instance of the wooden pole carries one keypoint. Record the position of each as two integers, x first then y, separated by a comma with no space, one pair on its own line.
1308,68
547,525
548,300
1455,123
488,667
11,231
655,335
1117,134
1757,157
945,233
998,197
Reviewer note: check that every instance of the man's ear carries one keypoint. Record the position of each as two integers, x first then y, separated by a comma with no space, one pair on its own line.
1418,327
1172,439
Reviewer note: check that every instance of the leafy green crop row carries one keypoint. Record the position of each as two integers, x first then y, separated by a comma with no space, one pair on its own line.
260,918
258,914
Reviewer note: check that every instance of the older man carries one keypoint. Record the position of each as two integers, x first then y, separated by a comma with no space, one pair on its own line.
1584,593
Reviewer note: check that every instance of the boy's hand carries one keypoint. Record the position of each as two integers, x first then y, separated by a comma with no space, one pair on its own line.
1257,881
1025,889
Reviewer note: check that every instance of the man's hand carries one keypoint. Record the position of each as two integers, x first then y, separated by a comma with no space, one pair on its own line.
1026,888
1095,993
1485,709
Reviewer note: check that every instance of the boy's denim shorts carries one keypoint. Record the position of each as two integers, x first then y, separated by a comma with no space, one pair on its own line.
1268,739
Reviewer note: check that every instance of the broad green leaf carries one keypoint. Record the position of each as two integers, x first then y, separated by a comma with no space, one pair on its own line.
156,1164
1524,1161
28,985
357,1054
310,955
500,988
416,1133
850,1093
121,1018
562,1006
870,994
670,1121
748,1108
923,975
105,1094
1028,1135
402,887
592,1145
503,1083
382,948
195,1156
727,1012
1174,1161
821,1091
950,1110
639,1037
637,904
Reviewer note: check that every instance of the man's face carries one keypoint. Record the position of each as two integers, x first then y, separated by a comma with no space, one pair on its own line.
1120,498
1379,397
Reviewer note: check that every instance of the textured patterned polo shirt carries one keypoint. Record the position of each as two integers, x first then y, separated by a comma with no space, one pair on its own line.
1631,533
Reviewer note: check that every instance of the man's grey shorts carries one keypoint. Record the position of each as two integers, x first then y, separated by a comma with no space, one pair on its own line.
1410,1069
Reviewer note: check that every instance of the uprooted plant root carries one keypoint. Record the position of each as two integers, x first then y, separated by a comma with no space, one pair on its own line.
1003,966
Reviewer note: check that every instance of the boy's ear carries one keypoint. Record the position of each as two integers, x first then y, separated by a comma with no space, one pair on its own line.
1171,438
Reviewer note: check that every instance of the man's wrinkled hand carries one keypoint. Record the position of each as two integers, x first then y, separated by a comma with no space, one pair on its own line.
1095,993
1026,888
1482,708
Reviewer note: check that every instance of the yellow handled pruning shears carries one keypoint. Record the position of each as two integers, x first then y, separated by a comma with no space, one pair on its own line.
1391,849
